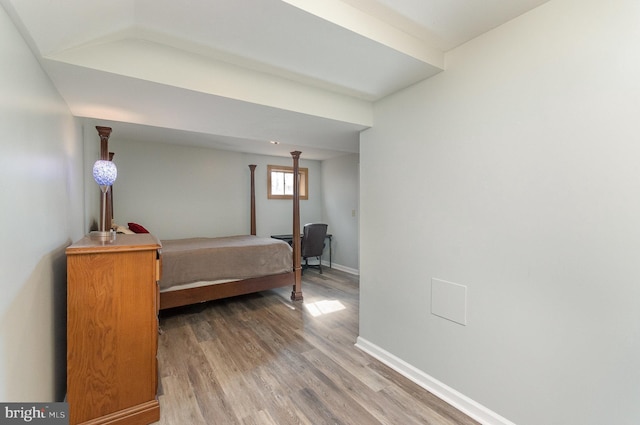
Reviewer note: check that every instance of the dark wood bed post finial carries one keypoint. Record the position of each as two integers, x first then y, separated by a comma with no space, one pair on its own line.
253,199
296,294
104,133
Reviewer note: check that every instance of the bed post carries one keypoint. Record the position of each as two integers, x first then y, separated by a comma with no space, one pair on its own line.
110,197
253,199
296,293
105,210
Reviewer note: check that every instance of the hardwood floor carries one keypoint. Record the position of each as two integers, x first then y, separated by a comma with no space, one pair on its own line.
261,359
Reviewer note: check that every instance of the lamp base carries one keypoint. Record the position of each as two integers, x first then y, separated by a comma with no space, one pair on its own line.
103,236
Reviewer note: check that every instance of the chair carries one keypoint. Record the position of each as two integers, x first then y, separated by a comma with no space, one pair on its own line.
313,236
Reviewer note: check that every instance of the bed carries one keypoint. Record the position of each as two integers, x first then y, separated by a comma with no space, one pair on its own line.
196,270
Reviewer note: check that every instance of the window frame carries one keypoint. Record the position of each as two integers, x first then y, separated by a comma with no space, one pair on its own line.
304,181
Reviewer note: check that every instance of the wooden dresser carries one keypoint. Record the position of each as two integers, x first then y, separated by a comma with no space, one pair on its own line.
112,330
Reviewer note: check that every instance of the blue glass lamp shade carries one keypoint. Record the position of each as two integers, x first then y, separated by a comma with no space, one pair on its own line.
104,172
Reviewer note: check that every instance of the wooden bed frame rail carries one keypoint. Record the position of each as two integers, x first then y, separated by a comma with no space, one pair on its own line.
218,291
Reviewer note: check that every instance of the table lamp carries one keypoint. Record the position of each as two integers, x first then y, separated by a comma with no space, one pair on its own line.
104,173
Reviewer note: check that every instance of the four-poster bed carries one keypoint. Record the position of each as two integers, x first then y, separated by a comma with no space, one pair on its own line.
201,269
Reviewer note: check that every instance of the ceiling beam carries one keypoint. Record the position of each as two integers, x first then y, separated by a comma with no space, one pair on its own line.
369,26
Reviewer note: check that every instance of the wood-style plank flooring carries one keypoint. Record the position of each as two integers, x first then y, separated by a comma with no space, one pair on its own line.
261,359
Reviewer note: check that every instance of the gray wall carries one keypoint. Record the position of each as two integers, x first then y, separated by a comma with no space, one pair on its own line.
182,191
515,174
178,191
340,186
41,182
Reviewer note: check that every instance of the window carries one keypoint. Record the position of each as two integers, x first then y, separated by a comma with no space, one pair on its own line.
280,182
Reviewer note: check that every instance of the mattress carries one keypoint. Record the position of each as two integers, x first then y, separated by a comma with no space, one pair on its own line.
186,261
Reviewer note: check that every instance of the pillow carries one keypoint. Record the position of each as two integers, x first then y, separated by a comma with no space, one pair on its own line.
125,230
137,228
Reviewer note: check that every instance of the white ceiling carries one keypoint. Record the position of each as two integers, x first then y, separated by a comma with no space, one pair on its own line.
235,74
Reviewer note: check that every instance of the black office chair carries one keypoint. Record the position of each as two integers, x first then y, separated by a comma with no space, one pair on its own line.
313,235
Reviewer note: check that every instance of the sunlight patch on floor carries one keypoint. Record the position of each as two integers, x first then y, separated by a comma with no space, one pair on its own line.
324,307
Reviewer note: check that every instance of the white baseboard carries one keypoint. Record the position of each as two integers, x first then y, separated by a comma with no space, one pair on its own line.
437,388
341,268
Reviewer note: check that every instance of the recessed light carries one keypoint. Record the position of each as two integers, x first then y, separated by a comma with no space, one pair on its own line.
274,142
